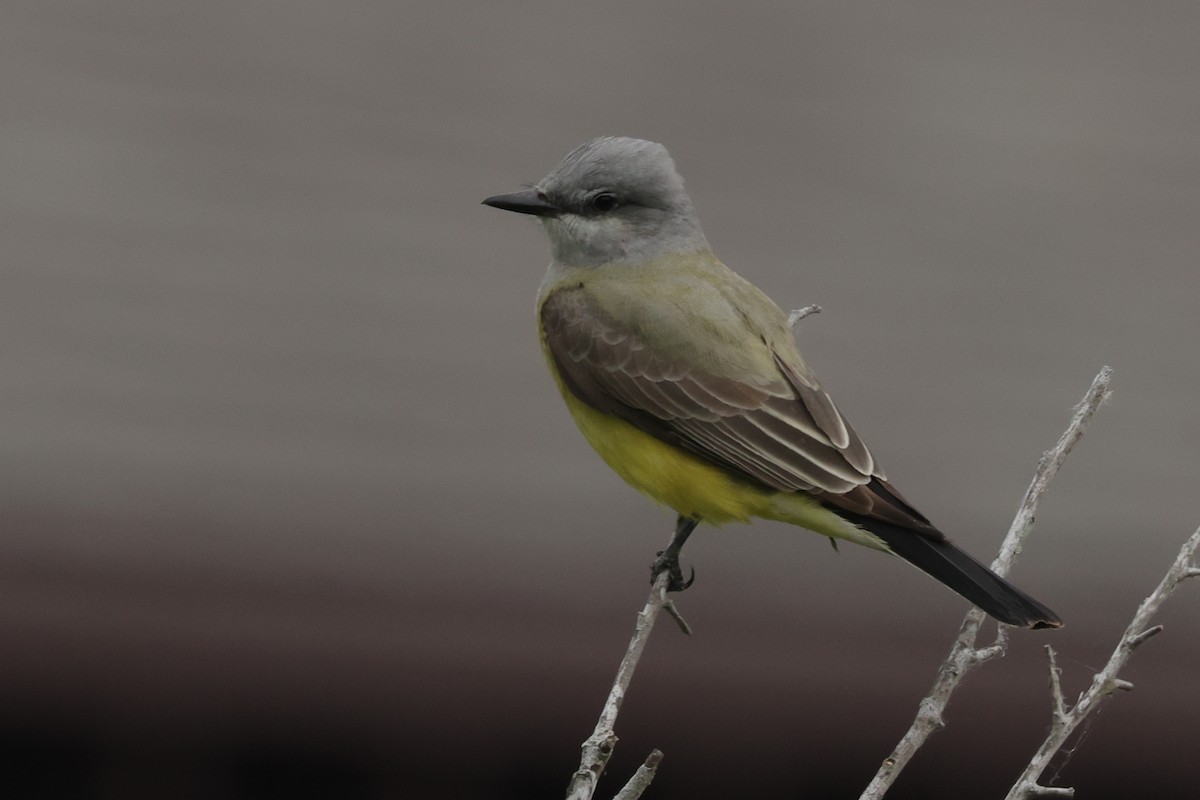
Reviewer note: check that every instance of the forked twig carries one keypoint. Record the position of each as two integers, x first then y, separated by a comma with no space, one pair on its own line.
598,747
1065,721
964,656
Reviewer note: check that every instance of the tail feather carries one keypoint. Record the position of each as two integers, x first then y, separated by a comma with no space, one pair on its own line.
962,573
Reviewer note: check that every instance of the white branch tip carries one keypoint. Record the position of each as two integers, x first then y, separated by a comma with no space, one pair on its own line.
798,314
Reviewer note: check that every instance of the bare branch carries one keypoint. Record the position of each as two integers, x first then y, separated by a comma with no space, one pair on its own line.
964,656
1144,635
640,781
1105,682
670,608
1048,467
798,314
1059,706
598,747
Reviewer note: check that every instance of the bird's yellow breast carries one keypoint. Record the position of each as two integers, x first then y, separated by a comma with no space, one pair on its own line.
665,473
694,487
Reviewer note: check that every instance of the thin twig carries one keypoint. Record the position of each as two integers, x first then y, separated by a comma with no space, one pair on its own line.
1048,467
598,747
1051,791
1105,682
640,781
798,314
1058,703
964,655
671,609
1144,635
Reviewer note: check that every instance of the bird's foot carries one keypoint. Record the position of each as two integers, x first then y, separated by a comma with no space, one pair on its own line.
668,562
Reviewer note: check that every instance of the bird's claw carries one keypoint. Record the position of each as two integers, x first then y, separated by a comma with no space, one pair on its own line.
669,563
674,587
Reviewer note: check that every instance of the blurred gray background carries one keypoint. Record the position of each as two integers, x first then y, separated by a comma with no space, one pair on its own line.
290,507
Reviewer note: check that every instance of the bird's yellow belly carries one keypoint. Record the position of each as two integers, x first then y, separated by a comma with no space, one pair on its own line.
667,474
696,488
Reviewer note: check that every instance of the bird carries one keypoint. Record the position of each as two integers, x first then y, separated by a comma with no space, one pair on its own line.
687,380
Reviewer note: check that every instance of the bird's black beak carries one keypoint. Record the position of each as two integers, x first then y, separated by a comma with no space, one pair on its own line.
529,201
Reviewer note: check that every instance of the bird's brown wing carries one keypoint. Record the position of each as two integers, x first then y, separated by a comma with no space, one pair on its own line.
780,430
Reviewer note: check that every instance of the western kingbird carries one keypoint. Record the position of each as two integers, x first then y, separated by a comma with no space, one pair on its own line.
687,381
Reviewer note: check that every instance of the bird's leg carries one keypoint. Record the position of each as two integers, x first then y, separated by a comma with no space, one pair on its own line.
668,560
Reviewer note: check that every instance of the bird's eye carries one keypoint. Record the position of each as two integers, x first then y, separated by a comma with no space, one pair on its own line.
604,202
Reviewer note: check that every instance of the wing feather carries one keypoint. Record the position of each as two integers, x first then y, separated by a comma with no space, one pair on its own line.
779,430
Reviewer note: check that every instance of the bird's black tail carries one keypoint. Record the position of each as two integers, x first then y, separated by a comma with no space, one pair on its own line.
965,575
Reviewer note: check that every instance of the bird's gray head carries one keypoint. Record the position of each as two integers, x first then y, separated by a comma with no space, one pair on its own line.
613,199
